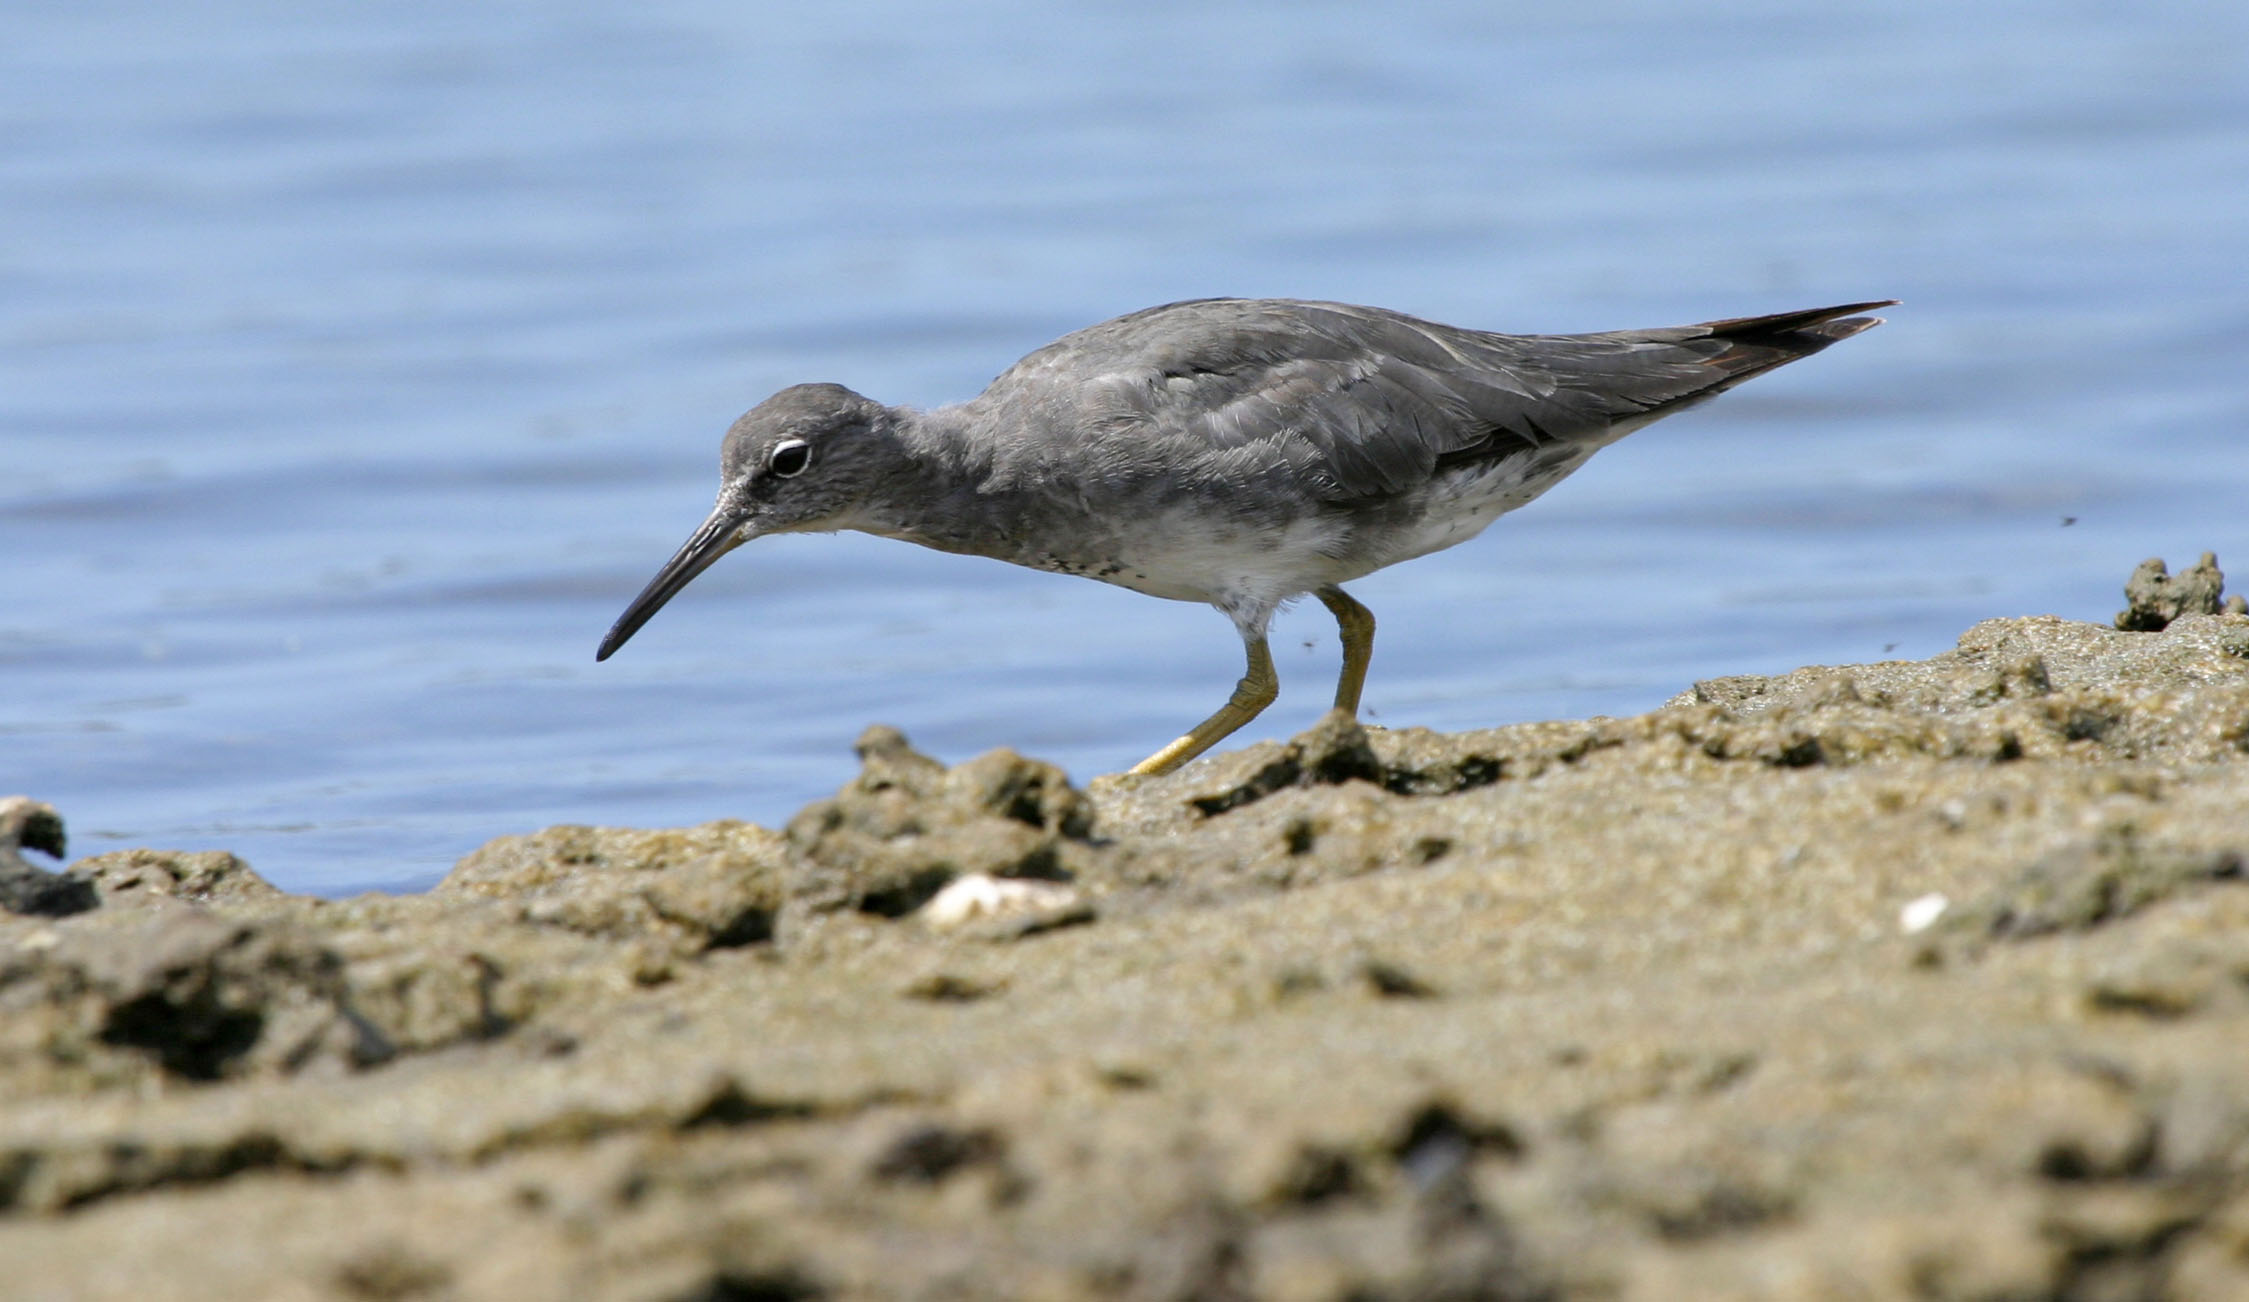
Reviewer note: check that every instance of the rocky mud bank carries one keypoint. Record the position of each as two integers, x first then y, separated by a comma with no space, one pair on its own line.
1908,980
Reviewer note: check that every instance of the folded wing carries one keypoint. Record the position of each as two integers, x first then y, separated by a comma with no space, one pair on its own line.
1374,402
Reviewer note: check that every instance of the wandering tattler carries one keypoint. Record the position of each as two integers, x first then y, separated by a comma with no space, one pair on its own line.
1240,452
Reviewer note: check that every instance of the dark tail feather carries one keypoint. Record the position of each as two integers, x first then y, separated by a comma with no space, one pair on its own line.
1757,344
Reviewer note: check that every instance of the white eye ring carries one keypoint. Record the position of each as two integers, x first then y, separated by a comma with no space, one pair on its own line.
789,458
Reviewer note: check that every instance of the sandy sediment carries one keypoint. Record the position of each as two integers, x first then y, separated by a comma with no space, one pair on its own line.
1910,980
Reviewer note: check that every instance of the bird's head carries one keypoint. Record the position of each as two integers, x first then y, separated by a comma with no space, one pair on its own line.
806,459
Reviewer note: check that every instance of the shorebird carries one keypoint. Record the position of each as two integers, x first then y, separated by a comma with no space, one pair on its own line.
1239,452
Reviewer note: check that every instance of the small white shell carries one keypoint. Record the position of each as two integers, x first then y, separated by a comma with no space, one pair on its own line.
1921,913
978,896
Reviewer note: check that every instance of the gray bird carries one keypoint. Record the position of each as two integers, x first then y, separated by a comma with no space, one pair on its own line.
1239,452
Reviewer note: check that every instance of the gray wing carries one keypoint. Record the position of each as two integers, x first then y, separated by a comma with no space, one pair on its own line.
1374,402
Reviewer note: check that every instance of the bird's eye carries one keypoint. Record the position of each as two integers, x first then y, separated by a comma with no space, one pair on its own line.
789,458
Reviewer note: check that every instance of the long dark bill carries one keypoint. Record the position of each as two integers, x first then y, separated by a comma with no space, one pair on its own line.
717,537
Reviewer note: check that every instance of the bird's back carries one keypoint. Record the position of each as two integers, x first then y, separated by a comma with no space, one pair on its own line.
1373,403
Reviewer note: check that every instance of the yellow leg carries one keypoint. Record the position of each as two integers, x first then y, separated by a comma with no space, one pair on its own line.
1356,623
1256,691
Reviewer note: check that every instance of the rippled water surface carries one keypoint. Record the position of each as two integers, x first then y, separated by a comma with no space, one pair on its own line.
359,363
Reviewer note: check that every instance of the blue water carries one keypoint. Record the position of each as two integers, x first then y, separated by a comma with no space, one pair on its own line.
359,362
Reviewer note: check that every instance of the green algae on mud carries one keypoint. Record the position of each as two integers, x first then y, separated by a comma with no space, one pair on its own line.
1609,1008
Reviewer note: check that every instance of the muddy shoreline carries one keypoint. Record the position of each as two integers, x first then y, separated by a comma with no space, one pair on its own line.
1917,980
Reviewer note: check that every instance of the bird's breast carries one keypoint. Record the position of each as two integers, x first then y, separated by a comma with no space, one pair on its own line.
1198,551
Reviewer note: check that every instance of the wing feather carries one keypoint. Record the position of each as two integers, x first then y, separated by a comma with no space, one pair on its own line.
1371,402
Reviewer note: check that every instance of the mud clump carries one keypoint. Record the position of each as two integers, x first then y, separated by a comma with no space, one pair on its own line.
907,826
2154,596
27,824
1615,1008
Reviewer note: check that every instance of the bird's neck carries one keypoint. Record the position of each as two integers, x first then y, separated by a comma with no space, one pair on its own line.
940,489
